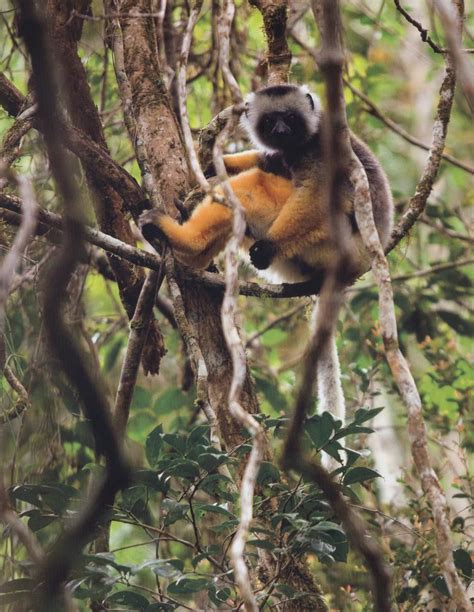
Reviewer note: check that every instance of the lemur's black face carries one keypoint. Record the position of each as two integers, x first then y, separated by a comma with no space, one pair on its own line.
282,130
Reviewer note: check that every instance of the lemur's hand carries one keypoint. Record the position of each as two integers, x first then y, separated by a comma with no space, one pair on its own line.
262,254
149,225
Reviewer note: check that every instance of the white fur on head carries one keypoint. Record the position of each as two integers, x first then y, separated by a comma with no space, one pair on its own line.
295,100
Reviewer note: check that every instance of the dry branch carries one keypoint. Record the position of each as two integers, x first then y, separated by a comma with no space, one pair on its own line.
22,402
275,14
139,328
229,326
418,202
58,563
25,235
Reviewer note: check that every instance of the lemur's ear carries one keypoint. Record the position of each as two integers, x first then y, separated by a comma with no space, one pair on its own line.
311,101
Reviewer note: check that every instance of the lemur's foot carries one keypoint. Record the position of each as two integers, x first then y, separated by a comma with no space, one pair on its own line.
262,254
149,225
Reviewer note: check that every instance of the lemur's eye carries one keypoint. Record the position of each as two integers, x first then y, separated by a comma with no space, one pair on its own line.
290,117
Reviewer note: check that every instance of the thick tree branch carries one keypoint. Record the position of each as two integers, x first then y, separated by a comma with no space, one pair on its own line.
275,14
58,564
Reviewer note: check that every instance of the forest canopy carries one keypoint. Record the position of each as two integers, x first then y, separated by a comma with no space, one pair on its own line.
170,437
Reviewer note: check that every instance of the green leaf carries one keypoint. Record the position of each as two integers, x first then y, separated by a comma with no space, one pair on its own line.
328,526
362,414
460,325
132,496
166,568
154,445
440,585
184,468
218,596
185,586
320,428
265,544
154,480
129,599
463,562
215,508
176,441
169,401
268,472
38,520
360,474
210,461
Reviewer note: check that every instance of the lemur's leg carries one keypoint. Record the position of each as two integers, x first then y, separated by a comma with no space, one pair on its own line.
206,232
199,239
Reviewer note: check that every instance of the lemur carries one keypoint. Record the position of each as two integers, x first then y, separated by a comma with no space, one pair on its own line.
282,187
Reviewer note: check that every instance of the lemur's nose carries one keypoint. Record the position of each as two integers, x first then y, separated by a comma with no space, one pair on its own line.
280,128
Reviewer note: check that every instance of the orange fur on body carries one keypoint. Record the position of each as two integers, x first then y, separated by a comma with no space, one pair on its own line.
262,195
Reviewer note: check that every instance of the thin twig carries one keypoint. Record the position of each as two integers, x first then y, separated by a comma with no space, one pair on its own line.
418,202
139,326
464,68
425,37
181,78
271,324
23,238
459,263
23,401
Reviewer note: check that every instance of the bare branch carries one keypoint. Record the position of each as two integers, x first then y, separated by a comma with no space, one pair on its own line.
231,334
139,326
278,57
452,28
23,401
425,37
418,202
24,236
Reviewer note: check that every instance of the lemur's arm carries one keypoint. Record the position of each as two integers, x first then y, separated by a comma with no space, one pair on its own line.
238,162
